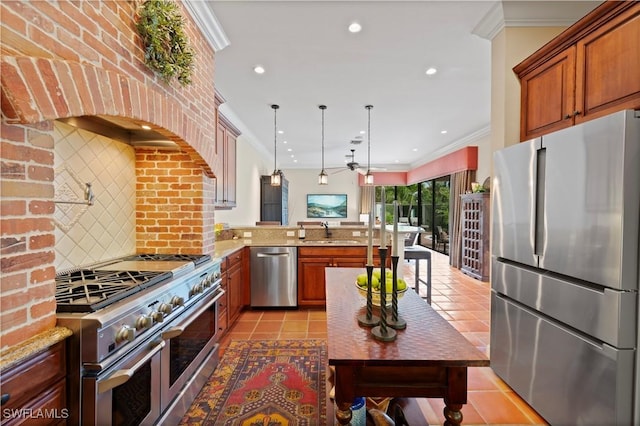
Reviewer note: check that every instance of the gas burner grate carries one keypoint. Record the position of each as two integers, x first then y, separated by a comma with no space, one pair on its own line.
90,290
195,258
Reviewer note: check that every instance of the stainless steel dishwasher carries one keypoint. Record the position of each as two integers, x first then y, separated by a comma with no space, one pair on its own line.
274,280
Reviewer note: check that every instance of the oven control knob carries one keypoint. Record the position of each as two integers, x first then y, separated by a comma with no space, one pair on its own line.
216,275
157,316
125,333
196,289
165,308
177,301
144,321
207,281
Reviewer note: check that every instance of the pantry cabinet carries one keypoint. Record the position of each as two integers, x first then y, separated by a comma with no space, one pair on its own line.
274,201
589,70
225,163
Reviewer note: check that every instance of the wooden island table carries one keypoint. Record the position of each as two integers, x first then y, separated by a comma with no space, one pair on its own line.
427,359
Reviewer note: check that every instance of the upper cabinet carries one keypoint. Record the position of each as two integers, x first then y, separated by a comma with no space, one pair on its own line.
225,165
589,70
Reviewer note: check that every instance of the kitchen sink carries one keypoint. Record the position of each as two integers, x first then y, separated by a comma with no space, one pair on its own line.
333,242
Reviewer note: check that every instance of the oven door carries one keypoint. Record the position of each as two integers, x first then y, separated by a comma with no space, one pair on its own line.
127,392
191,353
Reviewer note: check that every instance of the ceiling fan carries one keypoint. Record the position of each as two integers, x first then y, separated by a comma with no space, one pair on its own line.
353,165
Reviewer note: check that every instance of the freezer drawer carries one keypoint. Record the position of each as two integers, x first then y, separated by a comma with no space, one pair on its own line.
566,378
606,314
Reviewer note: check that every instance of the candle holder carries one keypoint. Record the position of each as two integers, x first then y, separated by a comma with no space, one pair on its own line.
395,321
368,319
382,332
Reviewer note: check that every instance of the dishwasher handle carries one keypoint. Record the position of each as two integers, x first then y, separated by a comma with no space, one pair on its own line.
273,254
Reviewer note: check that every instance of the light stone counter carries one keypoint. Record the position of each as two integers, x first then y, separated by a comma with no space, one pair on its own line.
16,354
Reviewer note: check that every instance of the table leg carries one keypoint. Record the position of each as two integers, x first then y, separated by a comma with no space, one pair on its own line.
452,414
343,412
429,280
417,271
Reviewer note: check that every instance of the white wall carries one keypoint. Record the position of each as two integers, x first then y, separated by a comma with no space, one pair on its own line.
305,181
250,165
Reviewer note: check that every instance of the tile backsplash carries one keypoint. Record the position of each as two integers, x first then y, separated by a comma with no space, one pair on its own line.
87,234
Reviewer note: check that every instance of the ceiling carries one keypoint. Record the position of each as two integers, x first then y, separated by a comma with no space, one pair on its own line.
310,58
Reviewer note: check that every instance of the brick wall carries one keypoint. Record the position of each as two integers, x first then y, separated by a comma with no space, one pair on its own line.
68,58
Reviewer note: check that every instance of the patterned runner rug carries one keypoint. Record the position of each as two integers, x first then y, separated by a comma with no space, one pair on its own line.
265,383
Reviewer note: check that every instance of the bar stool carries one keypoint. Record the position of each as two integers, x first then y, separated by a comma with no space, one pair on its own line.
417,253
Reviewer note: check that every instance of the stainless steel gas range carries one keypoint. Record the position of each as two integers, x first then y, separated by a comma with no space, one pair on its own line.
144,336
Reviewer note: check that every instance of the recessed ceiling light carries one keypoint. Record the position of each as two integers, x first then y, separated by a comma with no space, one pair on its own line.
258,69
362,132
292,155
295,161
289,149
280,132
415,149
431,71
355,27
284,142
444,132
144,126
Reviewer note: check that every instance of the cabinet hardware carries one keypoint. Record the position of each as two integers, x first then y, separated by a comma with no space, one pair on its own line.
576,113
5,398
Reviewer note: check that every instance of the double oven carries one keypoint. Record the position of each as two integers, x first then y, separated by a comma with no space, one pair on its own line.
144,336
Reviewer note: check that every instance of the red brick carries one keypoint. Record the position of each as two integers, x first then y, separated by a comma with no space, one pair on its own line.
27,331
68,89
12,319
11,19
42,241
51,44
72,10
83,89
39,207
12,245
14,171
53,88
40,173
13,282
15,93
42,309
13,207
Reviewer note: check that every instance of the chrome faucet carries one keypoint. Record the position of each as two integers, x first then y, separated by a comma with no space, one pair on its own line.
327,233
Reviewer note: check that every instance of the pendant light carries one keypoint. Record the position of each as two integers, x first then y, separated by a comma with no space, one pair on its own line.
323,178
275,176
368,177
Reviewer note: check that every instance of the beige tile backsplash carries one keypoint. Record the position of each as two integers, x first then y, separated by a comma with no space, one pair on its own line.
86,234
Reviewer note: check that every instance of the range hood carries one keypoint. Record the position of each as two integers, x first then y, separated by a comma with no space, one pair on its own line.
122,130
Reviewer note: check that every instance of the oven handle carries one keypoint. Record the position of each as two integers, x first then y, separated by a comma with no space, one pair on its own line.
122,376
179,329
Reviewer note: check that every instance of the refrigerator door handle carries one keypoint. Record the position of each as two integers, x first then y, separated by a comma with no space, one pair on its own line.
540,228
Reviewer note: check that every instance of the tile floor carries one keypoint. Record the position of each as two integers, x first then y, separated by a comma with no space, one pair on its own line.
462,300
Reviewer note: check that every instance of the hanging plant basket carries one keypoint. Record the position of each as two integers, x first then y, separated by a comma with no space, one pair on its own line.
167,50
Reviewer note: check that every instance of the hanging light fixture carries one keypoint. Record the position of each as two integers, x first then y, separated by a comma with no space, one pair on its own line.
323,178
368,177
275,176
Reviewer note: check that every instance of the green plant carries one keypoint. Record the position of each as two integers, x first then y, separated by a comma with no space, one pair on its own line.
167,49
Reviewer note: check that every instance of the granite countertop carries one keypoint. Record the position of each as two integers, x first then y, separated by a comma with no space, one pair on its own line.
16,354
226,247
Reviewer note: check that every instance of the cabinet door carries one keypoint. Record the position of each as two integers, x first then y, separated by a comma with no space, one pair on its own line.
235,287
608,67
311,284
218,168
230,172
547,96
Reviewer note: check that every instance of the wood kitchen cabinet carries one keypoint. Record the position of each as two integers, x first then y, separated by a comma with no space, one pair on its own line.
233,276
37,385
589,70
225,164
312,262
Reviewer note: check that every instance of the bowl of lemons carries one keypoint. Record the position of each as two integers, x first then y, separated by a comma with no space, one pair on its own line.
376,282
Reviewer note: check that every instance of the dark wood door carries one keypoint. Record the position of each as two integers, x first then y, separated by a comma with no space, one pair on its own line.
311,284
235,288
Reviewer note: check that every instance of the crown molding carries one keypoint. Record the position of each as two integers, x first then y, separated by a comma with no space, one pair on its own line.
207,22
531,14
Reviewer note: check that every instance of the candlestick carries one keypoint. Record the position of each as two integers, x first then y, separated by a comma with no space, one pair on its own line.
394,243
372,207
395,321
369,320
383,239
381,332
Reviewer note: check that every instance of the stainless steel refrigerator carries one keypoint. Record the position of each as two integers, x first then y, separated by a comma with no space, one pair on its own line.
565,271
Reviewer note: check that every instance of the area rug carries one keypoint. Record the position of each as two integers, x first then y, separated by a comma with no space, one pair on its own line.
265,383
